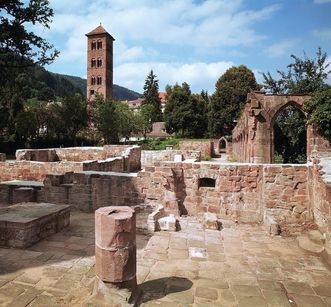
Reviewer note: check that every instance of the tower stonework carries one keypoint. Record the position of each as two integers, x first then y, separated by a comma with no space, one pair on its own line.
99,63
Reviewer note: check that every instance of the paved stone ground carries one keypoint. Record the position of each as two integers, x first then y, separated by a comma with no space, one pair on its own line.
240,266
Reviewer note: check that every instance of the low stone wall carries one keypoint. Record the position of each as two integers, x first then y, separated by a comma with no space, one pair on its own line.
79,154
130,154
88,191
31,170
149,157
205,147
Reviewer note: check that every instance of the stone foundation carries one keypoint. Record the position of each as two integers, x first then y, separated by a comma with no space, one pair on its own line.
206,147
24,224
35,164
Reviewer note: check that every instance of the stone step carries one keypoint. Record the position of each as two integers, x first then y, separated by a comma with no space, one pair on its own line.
306,244
316,236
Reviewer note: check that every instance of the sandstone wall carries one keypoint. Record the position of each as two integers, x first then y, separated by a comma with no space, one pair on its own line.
286,197
31,170
206,147
88,191
253,136
320,193
248,193
130,154
149,157
79,154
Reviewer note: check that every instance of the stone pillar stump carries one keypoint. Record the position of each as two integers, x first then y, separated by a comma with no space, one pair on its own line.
115,246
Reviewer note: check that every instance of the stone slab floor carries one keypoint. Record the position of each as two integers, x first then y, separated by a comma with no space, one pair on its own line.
239,266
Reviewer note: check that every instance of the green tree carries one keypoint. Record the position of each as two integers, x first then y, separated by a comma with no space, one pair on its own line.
151,95
318,109
185,113
27,126
143,119
290,136
226,103
70,117
20,48
303,76
105,120
18,45
124,120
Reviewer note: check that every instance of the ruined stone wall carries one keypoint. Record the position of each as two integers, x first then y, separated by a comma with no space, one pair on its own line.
80,154
248,193
286,197
320,193
253,136
206,147
235,196
88,191
31,170
149,157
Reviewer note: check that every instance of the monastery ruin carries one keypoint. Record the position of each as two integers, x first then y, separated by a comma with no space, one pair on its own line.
120,226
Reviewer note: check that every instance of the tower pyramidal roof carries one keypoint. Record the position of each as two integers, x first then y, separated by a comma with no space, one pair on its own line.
99,30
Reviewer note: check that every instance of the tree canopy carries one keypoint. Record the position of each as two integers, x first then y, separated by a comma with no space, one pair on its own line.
303,76
185,113
151,95
230,94
318,109
19,45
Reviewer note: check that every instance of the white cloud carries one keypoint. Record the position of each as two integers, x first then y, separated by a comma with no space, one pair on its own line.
198,75
149,33
281,48
323,33
322,1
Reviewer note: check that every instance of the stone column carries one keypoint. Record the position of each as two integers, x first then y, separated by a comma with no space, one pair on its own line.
115,246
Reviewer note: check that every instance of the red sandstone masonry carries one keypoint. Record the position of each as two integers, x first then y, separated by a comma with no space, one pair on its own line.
205,147
253,136
243,192
90,191
320,198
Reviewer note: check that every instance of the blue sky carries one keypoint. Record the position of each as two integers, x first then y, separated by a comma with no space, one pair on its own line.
187,40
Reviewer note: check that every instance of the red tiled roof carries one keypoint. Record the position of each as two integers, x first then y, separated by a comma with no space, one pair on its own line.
99,30
163,97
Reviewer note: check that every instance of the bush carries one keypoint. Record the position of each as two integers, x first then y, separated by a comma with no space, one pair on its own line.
318,110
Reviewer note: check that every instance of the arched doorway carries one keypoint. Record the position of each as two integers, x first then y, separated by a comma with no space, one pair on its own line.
289,135
222,143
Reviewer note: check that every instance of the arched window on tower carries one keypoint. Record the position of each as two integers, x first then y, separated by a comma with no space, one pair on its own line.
99,80
94,45
93,63
92,80
99,46
99,62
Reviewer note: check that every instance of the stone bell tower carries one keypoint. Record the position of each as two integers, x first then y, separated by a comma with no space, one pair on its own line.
99,63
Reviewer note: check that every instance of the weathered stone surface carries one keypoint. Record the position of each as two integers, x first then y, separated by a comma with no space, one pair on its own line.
210,221
168,223
22,225
115,239
253,137
152,220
